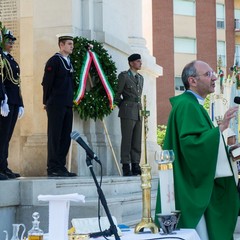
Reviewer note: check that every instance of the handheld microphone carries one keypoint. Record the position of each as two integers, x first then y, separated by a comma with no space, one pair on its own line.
237,100
76,136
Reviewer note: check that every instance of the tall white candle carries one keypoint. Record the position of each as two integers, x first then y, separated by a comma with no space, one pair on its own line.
164,189
171,186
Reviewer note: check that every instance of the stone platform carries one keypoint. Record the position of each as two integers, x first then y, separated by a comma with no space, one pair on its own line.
18,199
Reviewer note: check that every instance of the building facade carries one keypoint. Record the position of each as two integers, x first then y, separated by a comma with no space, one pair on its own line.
185,30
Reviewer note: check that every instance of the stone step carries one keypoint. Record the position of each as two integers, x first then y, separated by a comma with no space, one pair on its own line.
123,195
112,186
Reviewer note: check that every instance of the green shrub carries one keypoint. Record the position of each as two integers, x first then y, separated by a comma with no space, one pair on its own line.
161,131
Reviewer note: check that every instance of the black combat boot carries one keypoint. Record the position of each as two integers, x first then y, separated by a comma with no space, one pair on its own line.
136,170
126,170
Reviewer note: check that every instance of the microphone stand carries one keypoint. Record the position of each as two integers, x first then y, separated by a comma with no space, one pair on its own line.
113,228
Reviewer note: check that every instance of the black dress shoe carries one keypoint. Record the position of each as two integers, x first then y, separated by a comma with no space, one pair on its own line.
10,172
58,173
3,177
61,173
71,174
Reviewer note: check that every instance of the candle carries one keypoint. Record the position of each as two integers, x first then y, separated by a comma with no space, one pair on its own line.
164,189
171,186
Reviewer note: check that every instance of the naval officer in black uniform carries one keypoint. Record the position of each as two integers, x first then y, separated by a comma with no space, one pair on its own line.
58,100
12,106
128,99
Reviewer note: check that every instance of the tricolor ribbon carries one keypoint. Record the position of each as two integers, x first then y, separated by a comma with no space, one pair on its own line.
92,56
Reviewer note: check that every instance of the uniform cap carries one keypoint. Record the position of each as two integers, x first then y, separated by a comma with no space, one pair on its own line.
134,57
64,36
9,35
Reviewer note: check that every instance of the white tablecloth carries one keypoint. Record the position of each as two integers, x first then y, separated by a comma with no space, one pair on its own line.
184,234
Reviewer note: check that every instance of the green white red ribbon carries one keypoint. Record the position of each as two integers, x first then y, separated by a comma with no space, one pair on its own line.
92,56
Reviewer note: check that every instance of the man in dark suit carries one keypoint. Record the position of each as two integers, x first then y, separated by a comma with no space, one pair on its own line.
128,99
58,100
12,105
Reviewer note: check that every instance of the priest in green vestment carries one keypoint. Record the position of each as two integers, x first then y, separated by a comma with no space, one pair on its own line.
205,189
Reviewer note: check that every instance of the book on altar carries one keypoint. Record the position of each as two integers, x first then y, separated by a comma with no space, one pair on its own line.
236,152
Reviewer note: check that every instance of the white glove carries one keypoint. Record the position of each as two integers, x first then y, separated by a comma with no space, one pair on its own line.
20,112
4,108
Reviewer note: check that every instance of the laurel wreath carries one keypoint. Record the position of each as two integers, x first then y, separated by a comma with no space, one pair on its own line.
95,104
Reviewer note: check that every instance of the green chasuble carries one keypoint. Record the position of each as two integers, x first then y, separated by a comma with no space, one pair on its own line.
195,141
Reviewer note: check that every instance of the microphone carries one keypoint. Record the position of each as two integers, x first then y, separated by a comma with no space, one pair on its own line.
76,136
237,100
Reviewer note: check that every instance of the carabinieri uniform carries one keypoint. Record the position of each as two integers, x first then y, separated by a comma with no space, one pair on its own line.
11,82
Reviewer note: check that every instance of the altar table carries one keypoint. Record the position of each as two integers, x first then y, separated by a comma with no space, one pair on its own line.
182,234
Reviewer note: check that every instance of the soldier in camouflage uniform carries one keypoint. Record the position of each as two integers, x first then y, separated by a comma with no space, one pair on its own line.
128,99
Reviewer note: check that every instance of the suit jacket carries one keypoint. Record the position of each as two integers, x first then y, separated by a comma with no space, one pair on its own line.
128,96
58,82
13,90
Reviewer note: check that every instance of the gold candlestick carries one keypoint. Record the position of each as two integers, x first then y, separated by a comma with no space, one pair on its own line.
147,221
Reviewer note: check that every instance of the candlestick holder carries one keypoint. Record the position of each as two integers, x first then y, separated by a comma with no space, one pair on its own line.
147,221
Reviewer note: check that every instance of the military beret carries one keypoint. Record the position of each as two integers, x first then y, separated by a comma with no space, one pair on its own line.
134,57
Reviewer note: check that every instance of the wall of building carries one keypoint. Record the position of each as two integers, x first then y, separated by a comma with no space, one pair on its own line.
199,25
206,32
124,27
163,49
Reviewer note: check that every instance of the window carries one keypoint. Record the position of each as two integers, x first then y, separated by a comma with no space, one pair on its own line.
220,12
179,84
184,7
185,45
237,18
237,13
221,52
237,54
